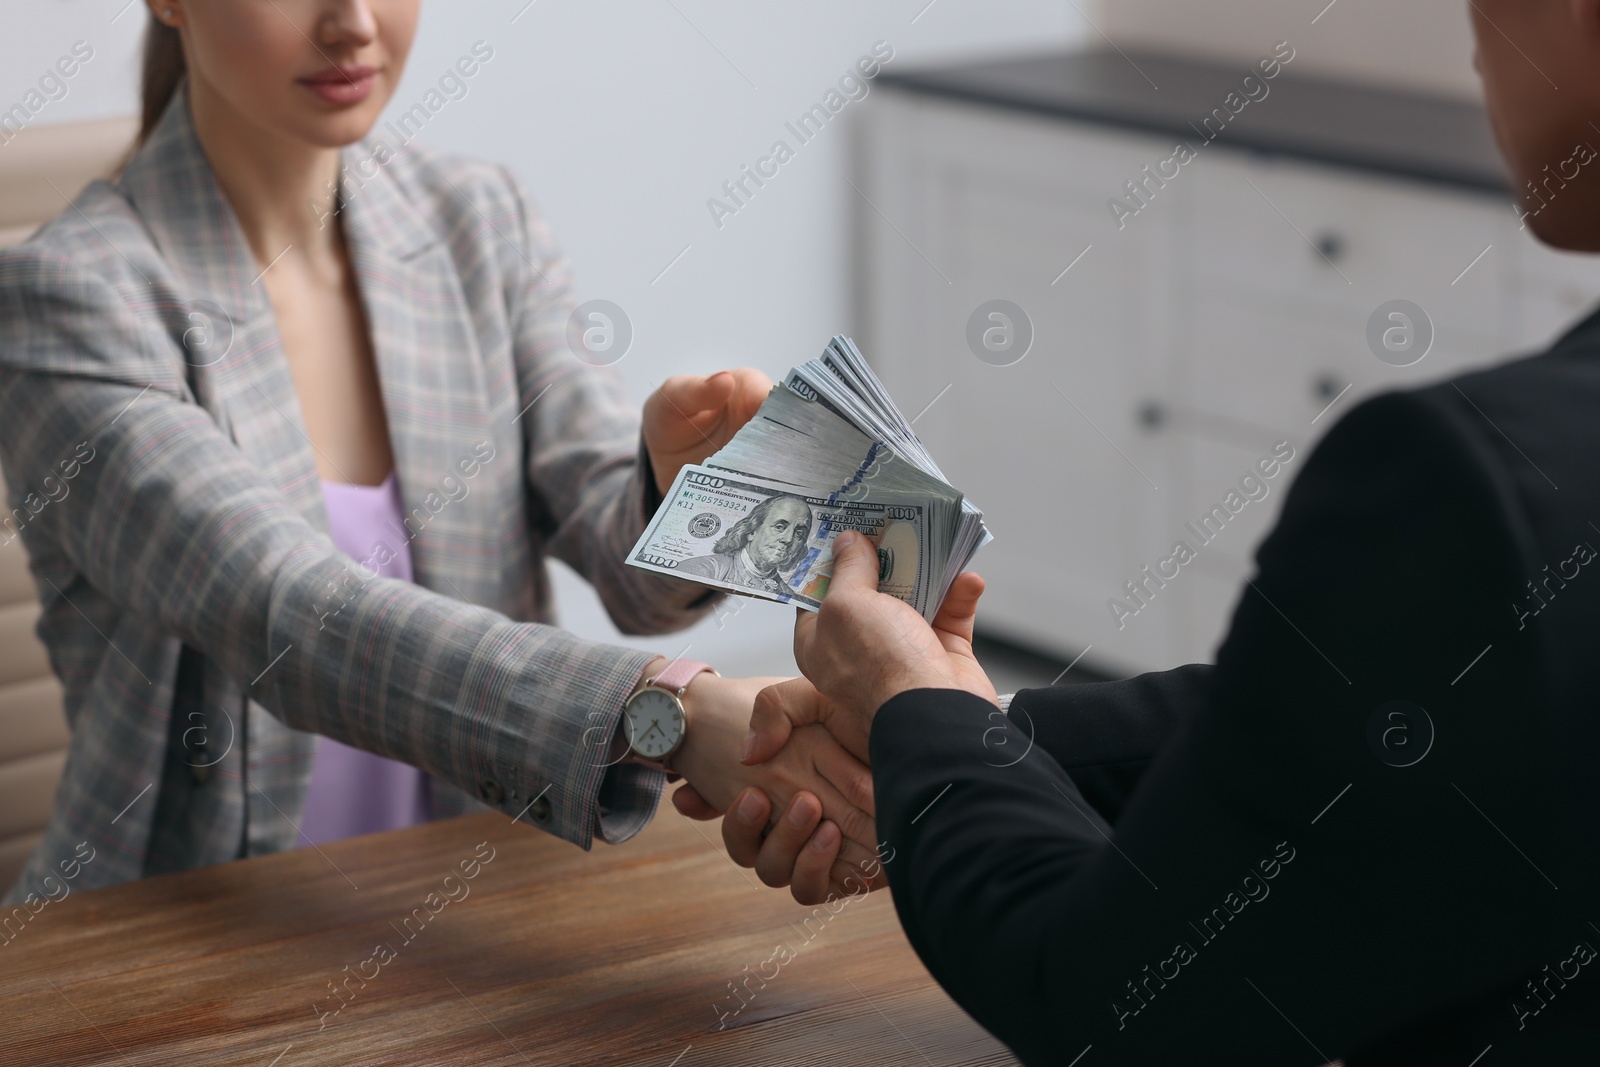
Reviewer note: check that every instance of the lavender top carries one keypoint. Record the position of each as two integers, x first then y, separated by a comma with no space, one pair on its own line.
355,792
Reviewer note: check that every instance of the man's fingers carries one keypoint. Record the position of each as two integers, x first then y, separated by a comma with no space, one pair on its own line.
745,825
778,710
854,857
813,867
845,770
775,865
959,612
846,881
854,879
855,564
691,804
849,877
859,826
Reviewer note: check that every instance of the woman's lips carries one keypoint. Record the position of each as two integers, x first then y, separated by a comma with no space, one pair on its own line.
342,86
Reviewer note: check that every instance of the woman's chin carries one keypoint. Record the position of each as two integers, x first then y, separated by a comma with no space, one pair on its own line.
347,130
325,128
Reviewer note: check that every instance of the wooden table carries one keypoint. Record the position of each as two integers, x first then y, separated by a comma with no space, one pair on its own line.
547,956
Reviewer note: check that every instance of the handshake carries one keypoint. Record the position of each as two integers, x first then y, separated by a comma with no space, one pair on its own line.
795,783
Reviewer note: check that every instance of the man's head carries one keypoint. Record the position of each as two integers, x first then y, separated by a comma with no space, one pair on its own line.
774,534
1540,64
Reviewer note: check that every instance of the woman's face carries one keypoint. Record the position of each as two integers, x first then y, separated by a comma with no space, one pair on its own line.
319,71
1538,60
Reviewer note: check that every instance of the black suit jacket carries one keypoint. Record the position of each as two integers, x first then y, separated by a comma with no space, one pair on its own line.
1280,859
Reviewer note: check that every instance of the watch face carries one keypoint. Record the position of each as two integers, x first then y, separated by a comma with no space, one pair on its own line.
655,723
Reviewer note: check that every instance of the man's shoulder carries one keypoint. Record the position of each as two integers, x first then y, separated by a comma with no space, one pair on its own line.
1570,362
1499,415
1537,410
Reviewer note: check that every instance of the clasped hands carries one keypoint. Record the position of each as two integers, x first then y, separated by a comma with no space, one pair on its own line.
806,749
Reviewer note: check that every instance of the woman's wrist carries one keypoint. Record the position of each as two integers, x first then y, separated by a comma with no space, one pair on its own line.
651,669
718,712
704,725
621,749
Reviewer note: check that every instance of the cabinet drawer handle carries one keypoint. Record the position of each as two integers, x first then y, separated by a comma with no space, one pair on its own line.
1325,387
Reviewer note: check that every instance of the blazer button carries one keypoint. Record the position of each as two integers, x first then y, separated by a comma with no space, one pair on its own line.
491,792
540,810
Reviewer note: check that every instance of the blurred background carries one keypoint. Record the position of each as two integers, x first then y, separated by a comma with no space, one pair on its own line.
1149,356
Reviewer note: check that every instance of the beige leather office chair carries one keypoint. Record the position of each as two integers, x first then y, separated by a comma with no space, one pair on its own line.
33,729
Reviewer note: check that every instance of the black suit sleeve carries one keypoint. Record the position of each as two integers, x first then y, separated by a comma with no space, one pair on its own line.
1104,734
1276,890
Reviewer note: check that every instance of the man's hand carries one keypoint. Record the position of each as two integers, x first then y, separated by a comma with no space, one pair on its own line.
691,416
863,648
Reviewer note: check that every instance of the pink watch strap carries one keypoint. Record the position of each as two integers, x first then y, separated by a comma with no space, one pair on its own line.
677,675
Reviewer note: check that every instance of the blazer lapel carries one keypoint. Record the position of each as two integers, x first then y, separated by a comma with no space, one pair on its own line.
430,369
428,361
236,363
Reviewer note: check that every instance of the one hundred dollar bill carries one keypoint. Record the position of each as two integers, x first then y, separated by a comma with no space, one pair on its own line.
746,535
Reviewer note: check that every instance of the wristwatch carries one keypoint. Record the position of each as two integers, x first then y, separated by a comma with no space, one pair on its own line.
654,718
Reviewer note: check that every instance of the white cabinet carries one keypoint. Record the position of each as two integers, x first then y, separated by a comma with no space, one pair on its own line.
976,207
1220,320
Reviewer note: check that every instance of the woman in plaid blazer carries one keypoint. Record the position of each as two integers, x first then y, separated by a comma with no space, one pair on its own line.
189,349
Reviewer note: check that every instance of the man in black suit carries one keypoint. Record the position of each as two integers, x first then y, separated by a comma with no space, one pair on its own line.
1369,831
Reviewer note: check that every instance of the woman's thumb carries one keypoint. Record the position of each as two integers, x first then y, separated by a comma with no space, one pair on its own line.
778,710
691,394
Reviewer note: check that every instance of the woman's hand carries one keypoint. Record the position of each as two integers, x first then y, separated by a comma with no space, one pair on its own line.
800,849
691,416
823,793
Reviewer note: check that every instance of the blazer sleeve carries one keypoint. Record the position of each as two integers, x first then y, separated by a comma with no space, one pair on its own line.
168,522
1289,882
587,468
1105,734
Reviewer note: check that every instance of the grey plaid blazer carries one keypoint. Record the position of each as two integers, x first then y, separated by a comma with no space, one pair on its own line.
200,619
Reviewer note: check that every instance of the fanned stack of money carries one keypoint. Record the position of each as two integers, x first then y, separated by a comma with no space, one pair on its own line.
828,451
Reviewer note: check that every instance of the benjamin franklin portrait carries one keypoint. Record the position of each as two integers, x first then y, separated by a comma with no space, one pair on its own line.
760,549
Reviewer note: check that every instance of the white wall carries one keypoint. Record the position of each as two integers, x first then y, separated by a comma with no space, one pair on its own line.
1424,44
37,34
623,118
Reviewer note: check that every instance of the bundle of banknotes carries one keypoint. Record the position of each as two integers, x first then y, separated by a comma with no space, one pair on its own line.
828,451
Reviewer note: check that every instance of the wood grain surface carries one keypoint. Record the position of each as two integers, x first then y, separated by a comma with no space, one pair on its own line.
548,956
